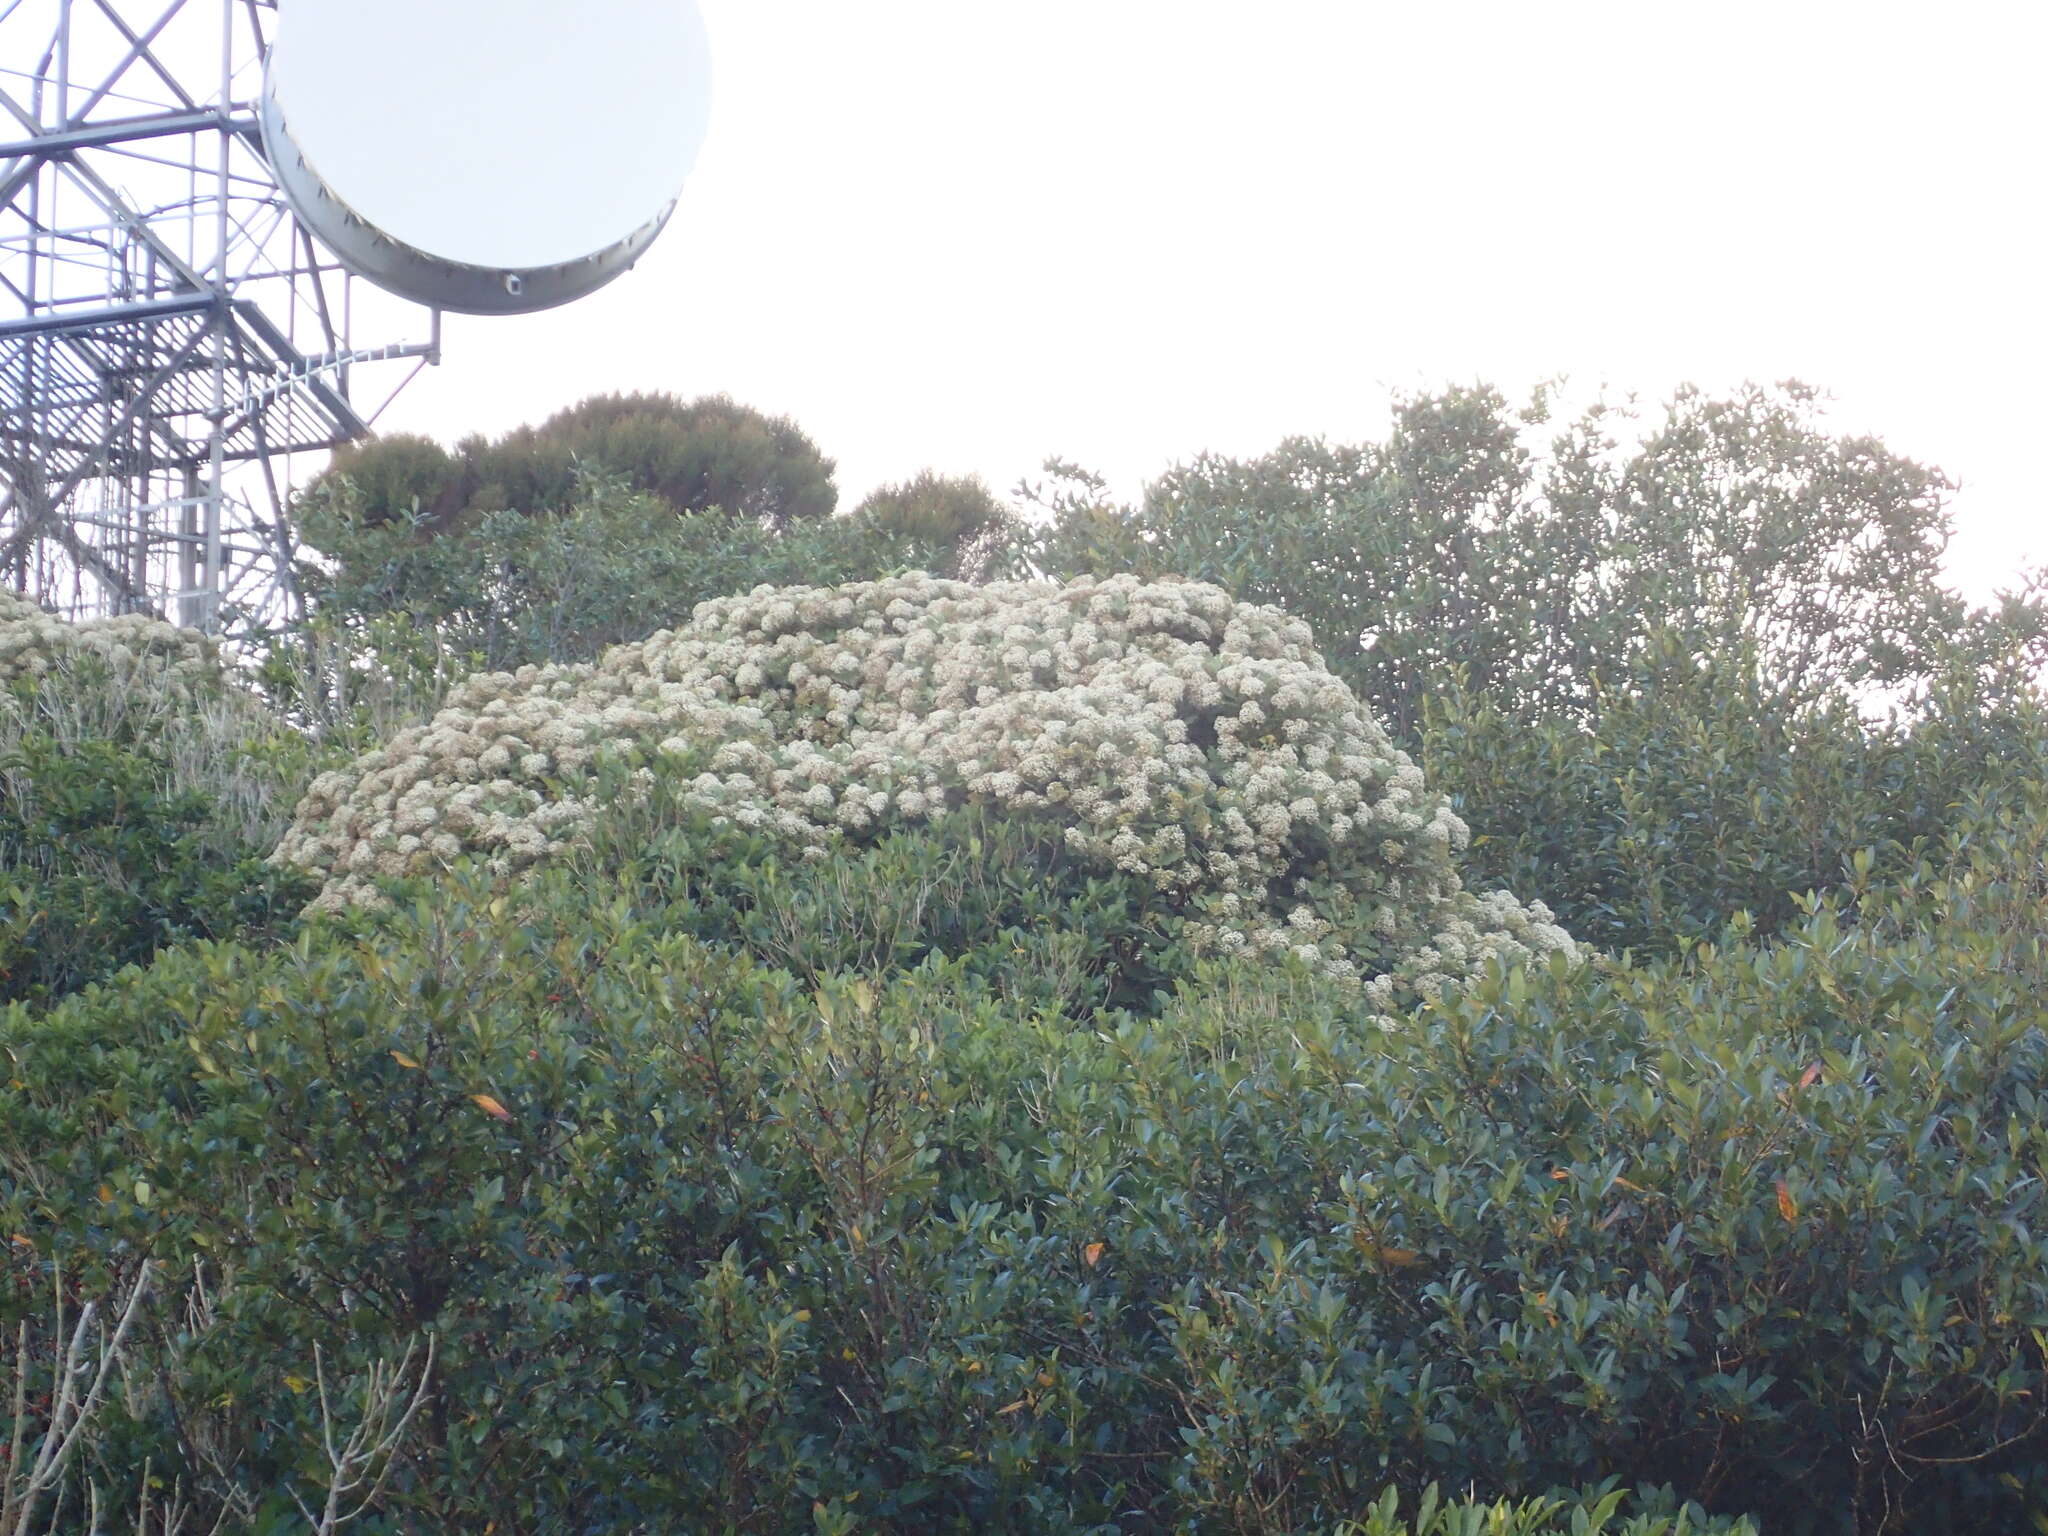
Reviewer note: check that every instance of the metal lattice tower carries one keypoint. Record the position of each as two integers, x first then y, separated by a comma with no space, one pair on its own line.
169,332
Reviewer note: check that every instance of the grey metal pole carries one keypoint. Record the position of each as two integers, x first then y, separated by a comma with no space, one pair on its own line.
188,552
217,437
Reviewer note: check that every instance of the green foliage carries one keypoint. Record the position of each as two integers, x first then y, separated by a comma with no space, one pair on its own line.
345,686
1738,525
136,808
710,1242
102,863
393,477
711,454
1004,899
506,589
1643,673
1693,796
1591,1514
708,453
949,512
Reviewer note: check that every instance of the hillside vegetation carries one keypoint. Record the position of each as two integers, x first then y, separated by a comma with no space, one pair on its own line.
1459,984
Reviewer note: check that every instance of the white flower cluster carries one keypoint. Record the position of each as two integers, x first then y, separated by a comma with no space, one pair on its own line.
1173,733
34,643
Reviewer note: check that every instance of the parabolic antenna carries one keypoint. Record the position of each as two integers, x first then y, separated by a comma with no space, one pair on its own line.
486,156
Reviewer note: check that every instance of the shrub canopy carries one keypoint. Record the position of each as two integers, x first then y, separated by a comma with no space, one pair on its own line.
1463,544
140,790
129,646
1172,733
917,1056
692,456
708,1244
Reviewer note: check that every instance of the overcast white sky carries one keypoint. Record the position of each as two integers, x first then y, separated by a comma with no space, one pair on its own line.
969,235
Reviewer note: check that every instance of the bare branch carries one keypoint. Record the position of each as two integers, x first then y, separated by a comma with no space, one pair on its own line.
71,1414
359,1467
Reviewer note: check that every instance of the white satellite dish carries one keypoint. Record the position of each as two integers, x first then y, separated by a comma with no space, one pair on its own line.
487,156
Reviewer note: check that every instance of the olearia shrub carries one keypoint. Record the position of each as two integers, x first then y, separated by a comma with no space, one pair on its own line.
1162,731
708,1243
34,641
141,791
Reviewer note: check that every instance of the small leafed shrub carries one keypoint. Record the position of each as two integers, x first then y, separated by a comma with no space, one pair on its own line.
709,454
102,864
1005,898
140,792
1693,797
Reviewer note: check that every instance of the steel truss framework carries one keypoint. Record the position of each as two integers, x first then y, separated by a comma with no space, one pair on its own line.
174,333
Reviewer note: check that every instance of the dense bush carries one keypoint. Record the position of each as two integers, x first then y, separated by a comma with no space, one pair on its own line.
1646,671
705,455
852,1115
1693,796
103,861
140,792
702,1241
709,453
946,512
1041,927
1539,570
1593,1514
1161,731
506,589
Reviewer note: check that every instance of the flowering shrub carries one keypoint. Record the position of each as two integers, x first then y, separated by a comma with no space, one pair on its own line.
139,793
137,682
1175,735
33,642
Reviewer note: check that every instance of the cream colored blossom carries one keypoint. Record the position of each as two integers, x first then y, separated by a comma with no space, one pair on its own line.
821,714
34,642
